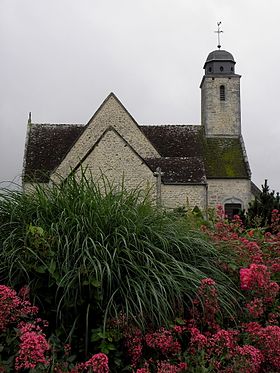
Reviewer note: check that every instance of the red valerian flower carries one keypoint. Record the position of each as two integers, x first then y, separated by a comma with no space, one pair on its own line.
32,349
255,277
134,344
255,307
167,367
98,363
251,359
267,339
163,341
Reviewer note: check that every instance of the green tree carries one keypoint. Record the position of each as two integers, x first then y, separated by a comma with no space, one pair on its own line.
259,212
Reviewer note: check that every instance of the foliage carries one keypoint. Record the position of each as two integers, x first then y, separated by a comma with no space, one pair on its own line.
89,253
23,344
204,340
260,210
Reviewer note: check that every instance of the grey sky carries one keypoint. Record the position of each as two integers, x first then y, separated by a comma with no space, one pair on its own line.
61,58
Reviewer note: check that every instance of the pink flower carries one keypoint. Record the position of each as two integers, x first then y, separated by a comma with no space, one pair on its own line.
12,307
167,367
206,303
245,278
98,363
9,306
32,349
255,307
255,277
223,340
198,340
143,370
252,359
268,341
134,344
163,341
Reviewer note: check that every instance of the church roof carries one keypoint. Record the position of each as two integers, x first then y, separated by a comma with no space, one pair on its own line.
187,157
220,55
47,145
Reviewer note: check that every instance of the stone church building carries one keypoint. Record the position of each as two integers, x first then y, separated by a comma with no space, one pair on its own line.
183,165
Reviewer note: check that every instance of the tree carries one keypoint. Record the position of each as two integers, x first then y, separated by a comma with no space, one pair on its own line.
259,212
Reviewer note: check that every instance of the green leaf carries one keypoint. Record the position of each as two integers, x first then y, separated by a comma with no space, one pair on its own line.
40,269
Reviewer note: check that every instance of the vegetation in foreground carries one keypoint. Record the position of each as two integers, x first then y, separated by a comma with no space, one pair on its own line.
125,287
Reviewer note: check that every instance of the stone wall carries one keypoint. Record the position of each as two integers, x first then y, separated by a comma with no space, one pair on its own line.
136,174
115,160
30,187
173,196
230,190
221,117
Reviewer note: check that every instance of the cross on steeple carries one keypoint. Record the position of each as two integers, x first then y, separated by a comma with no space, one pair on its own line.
219,32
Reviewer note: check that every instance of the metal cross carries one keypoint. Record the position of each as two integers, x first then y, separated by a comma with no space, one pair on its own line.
219,32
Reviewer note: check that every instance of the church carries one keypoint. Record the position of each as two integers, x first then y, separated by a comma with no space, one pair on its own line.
182,165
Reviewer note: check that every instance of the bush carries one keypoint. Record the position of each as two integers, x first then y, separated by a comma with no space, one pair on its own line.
90,253
260,210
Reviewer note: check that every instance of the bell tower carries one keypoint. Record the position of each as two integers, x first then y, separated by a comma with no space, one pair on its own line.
220,96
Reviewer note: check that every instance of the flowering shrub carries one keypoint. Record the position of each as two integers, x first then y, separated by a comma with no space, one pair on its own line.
23,342
206,305
13,307
201,339
32,348
163,341
209,341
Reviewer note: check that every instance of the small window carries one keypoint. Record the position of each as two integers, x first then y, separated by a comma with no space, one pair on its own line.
222,93
210,69
232,209
231,69
221,68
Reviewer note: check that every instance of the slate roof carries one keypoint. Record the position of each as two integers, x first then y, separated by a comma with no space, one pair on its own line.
47,145
187,157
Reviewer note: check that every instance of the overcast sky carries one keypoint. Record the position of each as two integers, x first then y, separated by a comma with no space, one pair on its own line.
61,58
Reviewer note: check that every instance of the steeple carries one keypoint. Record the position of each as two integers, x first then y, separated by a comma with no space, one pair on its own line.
219,62
220,96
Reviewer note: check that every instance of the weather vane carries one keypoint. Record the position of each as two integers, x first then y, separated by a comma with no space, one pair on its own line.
219,32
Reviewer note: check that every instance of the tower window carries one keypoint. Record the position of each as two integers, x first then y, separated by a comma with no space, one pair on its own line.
221,68
222,93
210,69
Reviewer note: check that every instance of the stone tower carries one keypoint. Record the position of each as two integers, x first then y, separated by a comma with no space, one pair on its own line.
220,96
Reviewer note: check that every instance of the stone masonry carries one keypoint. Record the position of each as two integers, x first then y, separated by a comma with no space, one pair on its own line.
221,118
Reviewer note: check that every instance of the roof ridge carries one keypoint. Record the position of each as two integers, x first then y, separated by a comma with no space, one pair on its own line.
58,124
170,125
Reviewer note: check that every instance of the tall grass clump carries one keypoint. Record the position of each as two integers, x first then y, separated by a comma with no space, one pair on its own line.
89,253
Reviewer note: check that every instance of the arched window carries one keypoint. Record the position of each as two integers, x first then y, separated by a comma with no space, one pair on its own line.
232,209
232,206
222,93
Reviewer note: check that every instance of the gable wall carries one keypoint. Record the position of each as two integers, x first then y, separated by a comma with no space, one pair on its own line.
110,115
113,158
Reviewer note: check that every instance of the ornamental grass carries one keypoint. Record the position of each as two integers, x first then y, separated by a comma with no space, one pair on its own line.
89,253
